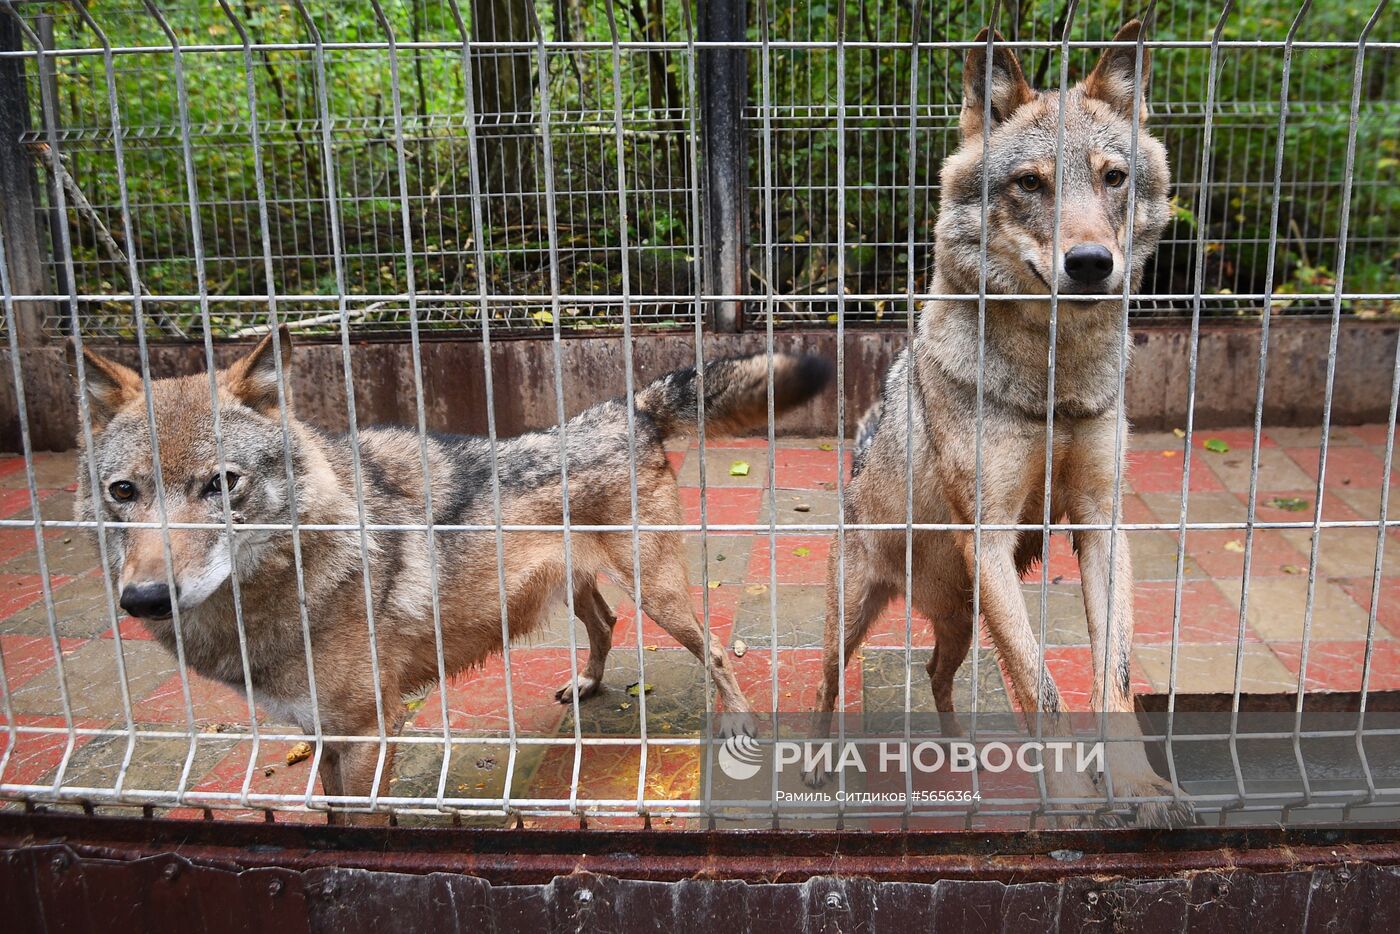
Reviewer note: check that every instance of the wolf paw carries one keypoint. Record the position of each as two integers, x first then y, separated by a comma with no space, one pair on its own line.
737,724
1176,811
583,685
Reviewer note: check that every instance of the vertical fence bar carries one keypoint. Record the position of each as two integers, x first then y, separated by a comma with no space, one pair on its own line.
724,84
474,184
19,191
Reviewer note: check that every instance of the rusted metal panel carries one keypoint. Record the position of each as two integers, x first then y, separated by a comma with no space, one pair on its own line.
523,376
75,886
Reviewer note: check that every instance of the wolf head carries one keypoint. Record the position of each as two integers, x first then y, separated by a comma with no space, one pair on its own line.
1102,115
193,477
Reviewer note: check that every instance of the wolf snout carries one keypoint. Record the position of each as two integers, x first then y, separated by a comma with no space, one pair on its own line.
1088,263
146,600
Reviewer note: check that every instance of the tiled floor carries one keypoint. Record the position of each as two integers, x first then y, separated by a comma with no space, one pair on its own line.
740,605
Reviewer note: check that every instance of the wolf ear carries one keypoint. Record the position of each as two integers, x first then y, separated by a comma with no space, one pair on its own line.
1113,78
253,379
1009,89
109,384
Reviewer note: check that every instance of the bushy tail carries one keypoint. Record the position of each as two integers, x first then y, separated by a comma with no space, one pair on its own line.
736,393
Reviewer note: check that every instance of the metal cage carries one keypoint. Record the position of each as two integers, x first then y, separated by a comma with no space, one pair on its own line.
186,174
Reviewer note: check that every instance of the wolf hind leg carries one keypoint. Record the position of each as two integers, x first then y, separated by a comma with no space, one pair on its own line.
864,599
598,619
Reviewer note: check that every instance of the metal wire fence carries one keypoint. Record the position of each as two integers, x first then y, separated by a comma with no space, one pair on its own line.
609,70
218,170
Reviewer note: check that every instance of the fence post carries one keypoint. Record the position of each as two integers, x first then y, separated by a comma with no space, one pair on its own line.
724,84
19,191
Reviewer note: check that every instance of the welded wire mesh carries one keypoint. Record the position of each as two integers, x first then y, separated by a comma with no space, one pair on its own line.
212,171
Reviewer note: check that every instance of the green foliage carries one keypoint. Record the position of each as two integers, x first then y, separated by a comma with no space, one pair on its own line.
831,149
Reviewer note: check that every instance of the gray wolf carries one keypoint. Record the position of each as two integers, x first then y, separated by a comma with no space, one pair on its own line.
937,379
189,576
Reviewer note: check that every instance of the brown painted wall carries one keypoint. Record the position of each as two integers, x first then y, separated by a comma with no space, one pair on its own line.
523,377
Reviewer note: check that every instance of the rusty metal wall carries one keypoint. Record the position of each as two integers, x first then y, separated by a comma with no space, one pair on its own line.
108,875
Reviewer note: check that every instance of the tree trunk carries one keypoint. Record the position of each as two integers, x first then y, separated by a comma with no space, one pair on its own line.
504,81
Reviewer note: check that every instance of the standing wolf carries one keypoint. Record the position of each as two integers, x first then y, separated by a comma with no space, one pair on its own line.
398,589
937,379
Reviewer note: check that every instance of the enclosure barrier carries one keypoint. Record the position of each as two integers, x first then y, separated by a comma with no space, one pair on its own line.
215,173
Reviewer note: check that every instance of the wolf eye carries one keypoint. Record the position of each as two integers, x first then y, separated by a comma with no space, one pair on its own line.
228,479
1029,182
1114,177
122,491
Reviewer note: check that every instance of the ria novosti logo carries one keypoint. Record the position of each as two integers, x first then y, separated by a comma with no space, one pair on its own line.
740,757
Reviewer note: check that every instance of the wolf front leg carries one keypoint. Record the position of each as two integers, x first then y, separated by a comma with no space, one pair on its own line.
1008,623
1109,611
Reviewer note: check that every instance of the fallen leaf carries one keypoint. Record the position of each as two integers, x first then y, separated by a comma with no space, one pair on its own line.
1169,454
298,753
802,507
1236,547
756,589
740,647
739,469
719,557
1178,432
824,446
636,688
1291,569
624,706
1216,446
715,585
1289,503
651,648
270,771
802,551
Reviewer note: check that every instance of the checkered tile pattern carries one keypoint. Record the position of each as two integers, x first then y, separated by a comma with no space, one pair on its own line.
740,600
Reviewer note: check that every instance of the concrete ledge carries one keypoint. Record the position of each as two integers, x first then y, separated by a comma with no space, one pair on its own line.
523,377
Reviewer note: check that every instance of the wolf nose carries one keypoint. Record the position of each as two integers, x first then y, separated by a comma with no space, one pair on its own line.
1088,263
146,601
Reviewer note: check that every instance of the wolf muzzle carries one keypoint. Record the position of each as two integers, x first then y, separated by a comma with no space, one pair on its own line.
147,600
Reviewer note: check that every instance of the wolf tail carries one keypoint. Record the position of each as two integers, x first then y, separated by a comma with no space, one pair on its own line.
736,393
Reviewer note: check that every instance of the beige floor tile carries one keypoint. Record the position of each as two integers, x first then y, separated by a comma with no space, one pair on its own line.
1276,471
1346,552
1200,507
1277,605
718,465
1207,669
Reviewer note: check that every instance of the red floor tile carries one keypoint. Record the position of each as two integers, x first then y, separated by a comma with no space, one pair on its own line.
799,678
1351,466
1338,666
807,468
476,698
27,656
17,501
211,702
1072,667
1206,616
18,591
1154,472
1388,615
676,459
1221,553
1334,508
723,505
1370,434
801,559
271,775
35,755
